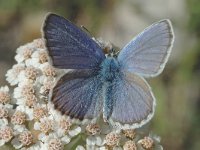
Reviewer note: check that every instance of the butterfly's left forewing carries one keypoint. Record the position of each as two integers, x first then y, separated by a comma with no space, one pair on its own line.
149,51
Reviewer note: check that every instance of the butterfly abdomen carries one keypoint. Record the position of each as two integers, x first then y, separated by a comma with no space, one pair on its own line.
109,69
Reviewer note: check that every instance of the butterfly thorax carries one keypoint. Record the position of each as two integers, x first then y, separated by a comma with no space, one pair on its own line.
109,69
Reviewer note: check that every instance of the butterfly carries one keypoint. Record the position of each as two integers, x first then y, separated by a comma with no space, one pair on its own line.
96,84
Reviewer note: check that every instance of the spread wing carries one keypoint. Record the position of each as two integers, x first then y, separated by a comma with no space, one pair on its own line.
129,102
70,47
148,52
78,94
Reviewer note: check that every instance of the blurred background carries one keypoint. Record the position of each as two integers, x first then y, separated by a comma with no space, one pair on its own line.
177,89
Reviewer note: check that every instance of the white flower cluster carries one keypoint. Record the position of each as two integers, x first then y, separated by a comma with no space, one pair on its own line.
29,122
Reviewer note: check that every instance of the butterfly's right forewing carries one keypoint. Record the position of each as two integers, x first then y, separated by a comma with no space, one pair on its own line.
68,46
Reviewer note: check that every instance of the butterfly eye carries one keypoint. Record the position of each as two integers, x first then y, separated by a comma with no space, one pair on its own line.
113,52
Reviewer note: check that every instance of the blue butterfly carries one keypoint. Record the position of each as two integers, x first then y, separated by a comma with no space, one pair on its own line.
111,86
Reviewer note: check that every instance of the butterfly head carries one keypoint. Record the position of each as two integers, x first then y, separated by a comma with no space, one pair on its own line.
108,48
113,52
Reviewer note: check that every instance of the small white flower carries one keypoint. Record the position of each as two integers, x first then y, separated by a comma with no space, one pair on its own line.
8,107
149,142
46,125
28,111
52,138
130,144
4,95
63,126
47,84
48,70
23,91
39,43
18,118
24,52
5,111
112,139
40,56
63,123
22,138
30,101
93,128
6,134
40,111
29,74
12,75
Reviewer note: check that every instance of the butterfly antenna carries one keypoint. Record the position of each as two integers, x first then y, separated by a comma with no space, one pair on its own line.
86,30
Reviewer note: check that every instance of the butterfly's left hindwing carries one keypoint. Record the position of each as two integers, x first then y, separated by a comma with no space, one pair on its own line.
78,94
130,100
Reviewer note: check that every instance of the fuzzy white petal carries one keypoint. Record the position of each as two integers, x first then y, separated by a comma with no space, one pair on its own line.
36,126
79,147
65,139
2,142
3,122
75,131
16,143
